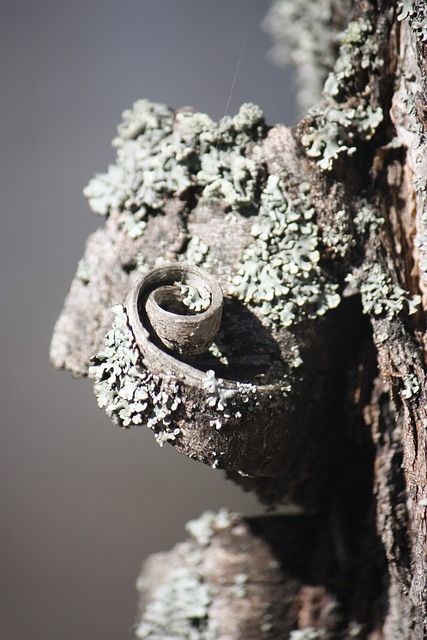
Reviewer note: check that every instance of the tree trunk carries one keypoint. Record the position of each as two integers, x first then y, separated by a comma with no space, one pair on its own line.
313,391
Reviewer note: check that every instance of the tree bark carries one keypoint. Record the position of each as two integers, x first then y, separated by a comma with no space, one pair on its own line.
315,391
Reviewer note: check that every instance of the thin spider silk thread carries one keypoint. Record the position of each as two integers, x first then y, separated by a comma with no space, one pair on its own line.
239,62
233,84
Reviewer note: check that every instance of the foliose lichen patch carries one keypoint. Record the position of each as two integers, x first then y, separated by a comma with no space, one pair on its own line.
411,386
339,126
367,219
195,299
381,297
337,234
337,131
305,33
179,607
217,396
197,252
279,272
204,527
129,393
310,633
359,47
134,396
161,154
415,11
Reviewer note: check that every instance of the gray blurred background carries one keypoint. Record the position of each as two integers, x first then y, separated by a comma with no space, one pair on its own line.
83,502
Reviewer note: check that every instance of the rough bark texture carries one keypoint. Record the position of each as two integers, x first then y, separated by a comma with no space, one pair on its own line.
316,390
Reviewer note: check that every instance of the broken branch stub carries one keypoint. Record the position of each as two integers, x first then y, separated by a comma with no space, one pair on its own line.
232,198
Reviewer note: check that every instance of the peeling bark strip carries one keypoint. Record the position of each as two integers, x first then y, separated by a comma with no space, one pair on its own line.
314,389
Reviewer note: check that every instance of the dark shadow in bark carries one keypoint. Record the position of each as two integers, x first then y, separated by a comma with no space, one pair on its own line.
337,548
250,352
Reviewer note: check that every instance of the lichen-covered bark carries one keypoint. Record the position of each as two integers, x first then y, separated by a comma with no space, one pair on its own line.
256,578
314,390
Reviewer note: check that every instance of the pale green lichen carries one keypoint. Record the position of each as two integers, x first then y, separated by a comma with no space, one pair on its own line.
421,244
296,357
224,349
196,252
217,396
131,395
356,630
367,219
338,128
407,8
381,297
310,633
141,264
225,400
134,223
178,609
415,11
305,33
228,176
338,131
279,272
338,236
240,587
196,299
161,154
205,526
88,266
358,42
128,392
411,386
218,352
